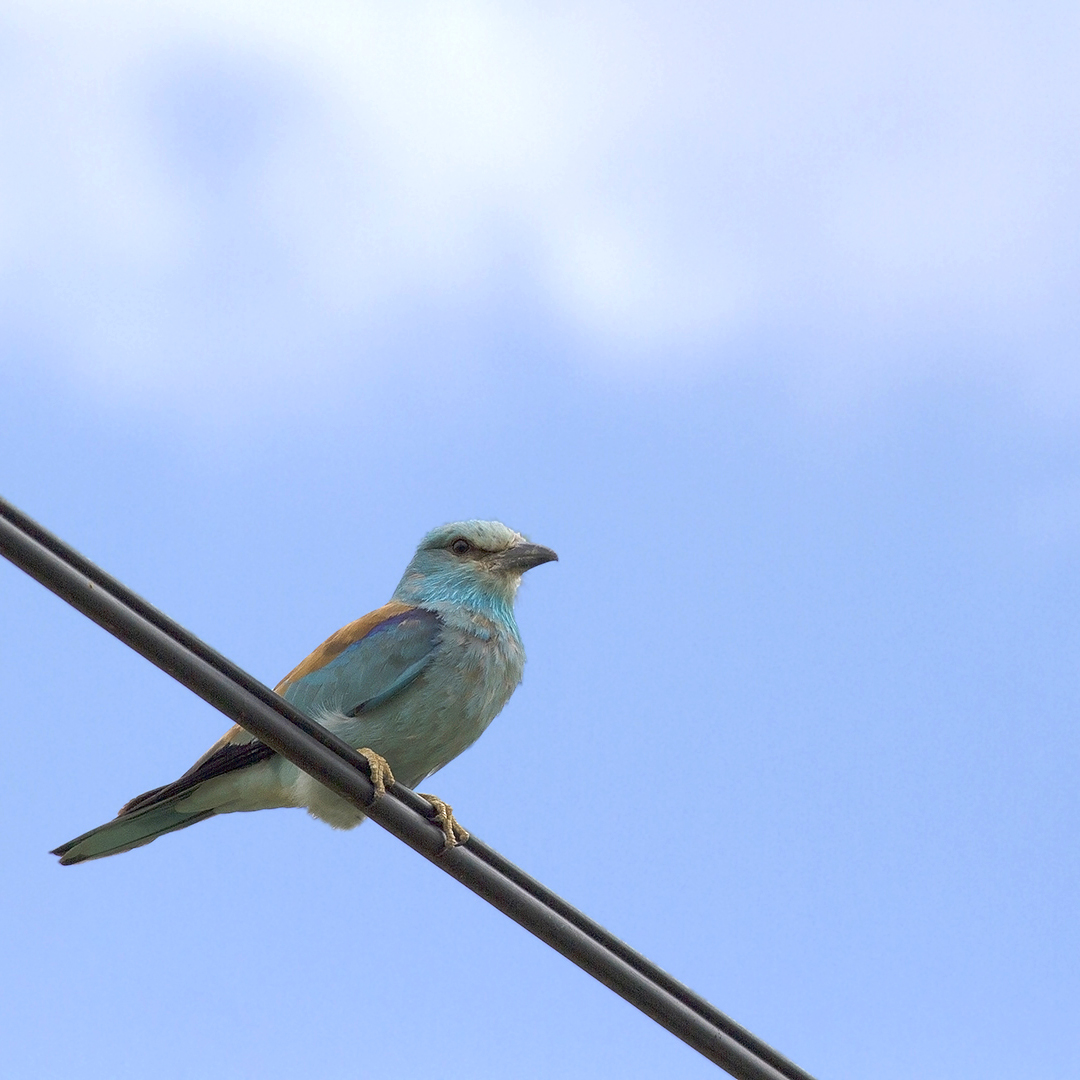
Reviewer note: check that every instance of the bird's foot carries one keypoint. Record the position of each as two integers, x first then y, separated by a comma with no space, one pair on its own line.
444,818
378,768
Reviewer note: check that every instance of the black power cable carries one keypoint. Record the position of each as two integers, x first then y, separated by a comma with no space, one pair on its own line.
312,748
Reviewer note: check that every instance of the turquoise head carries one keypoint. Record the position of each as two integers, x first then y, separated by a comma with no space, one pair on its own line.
476,564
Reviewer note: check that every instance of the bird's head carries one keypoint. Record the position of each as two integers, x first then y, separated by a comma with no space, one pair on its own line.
474,563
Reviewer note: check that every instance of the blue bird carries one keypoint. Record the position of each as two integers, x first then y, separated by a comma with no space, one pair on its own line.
411,685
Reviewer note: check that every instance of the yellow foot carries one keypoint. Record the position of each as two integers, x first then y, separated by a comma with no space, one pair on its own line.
379,768
444,818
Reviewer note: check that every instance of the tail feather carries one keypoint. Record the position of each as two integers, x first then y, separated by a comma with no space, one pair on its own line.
130,830
230,776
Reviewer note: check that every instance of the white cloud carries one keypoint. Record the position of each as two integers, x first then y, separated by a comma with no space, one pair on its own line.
200,195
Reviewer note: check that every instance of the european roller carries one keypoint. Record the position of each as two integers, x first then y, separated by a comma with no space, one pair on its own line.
410,685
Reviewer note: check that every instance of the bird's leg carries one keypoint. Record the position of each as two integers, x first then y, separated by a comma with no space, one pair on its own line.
444,818
379,768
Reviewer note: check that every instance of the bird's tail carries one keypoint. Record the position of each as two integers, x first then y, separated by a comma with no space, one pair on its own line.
130,830
237,773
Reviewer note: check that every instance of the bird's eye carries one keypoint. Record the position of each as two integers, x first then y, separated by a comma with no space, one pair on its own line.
461,546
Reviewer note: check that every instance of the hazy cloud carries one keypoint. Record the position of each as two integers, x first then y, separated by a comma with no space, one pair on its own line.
200,195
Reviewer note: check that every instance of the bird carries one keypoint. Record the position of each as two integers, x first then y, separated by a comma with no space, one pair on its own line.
410,685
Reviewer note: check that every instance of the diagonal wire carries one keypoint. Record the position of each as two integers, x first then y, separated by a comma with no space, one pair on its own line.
311,747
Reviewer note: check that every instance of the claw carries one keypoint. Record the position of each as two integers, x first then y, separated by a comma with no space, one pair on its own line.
453,833
379,768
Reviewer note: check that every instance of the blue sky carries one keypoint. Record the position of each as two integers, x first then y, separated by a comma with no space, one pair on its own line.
765,320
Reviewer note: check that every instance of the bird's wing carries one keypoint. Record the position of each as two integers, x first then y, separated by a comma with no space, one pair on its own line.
364,664
223,757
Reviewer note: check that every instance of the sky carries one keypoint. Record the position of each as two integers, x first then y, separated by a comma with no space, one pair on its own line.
763,317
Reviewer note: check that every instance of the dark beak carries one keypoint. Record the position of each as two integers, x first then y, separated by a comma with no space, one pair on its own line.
522,557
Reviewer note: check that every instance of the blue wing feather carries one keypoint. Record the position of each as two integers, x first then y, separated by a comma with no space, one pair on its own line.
372,670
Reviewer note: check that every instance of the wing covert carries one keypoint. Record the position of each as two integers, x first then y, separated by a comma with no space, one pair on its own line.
372,669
